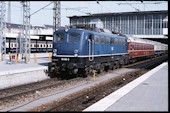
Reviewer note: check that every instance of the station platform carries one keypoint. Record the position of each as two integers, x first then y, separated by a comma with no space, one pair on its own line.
13,74
149,92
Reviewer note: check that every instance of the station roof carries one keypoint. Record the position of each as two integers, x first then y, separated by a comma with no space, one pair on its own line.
14,25
121,13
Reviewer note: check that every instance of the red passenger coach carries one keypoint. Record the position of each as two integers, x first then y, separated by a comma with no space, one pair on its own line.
139,48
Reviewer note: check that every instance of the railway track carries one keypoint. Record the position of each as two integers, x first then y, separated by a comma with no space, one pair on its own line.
81,100
13,94
10,96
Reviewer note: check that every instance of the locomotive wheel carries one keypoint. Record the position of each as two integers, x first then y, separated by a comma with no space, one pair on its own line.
88,71
107,68
84,72
111,66
116,64
101,68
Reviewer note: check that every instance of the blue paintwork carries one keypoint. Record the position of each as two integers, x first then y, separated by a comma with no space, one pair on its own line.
65,48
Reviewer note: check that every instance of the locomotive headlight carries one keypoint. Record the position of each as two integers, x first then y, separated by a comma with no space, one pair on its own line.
66,29
54,54
76,53
54,50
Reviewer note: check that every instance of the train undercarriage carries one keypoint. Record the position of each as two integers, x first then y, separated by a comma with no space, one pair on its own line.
77,66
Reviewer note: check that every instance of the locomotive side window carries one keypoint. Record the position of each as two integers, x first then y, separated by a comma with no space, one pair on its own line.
59,37
116,41
96,39
73,37
112,41
102,39
119,41
108,40
123,41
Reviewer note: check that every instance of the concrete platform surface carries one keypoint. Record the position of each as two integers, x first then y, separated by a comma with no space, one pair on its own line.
13,74
146,93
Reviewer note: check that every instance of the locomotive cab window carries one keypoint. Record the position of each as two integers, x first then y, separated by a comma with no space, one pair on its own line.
73,37
59,37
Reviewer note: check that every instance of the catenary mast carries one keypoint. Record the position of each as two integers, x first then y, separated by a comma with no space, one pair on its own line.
2,30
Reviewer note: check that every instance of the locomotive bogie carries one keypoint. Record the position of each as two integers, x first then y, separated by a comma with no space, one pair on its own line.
79,65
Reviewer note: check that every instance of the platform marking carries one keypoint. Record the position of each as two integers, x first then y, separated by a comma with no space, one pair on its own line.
106,102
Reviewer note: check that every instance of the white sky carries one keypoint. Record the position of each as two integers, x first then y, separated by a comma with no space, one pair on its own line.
45,16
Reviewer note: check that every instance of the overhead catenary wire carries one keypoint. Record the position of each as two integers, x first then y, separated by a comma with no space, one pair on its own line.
76,9
42,8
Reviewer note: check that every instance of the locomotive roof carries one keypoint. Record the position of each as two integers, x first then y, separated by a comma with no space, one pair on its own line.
96,31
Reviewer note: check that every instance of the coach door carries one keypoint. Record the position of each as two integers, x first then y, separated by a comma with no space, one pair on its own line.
91,47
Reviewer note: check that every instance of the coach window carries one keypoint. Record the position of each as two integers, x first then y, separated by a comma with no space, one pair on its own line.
59,37
137,47
73,37
131,47
134,47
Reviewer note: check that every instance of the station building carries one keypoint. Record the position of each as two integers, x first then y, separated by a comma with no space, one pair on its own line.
151,25
40,37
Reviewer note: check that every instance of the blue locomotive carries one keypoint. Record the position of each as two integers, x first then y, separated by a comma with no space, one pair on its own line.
79,51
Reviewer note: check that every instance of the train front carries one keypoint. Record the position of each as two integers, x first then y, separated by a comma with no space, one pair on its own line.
67,46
